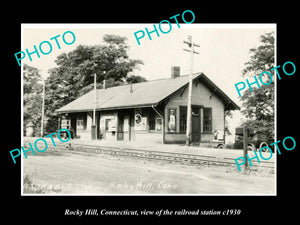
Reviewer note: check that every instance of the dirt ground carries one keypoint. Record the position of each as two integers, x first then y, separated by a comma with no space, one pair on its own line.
64,172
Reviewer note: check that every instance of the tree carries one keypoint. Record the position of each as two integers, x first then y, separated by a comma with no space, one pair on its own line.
74,74
32,98
135,79
258,105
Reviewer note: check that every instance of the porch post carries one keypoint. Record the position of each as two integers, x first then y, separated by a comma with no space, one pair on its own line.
163,130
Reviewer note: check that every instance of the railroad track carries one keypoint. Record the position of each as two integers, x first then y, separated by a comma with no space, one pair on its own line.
152,155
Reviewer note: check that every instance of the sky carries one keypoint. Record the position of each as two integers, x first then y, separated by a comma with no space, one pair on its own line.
223,51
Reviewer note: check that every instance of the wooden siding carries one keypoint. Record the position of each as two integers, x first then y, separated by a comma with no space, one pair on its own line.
201,96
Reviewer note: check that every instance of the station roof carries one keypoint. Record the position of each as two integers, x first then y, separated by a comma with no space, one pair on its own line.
143,94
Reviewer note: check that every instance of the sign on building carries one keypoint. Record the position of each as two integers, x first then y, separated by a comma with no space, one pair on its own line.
140,121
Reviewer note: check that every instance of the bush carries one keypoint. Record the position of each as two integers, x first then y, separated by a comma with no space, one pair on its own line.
30,188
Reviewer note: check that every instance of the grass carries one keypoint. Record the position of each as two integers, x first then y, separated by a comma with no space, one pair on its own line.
30,188
256,171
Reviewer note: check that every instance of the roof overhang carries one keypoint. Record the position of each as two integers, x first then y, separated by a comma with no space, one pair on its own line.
108,109
229,104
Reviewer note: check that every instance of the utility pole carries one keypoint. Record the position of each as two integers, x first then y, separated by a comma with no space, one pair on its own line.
104,80
189,104
245,145
94,127
43,110
95,100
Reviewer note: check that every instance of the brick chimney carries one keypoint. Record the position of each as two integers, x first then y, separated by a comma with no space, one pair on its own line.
175,72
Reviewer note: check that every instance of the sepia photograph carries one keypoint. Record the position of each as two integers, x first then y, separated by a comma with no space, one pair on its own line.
108,111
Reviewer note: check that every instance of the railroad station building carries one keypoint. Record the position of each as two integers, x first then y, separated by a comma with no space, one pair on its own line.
152,111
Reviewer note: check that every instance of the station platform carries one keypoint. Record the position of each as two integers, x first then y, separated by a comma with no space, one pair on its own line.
169,148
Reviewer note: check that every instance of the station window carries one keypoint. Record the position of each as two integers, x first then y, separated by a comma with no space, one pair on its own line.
182,118
66,123
108,124
158,124
207,120
152,121
79,125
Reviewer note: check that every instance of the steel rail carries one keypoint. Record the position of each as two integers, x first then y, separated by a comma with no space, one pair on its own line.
153,155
